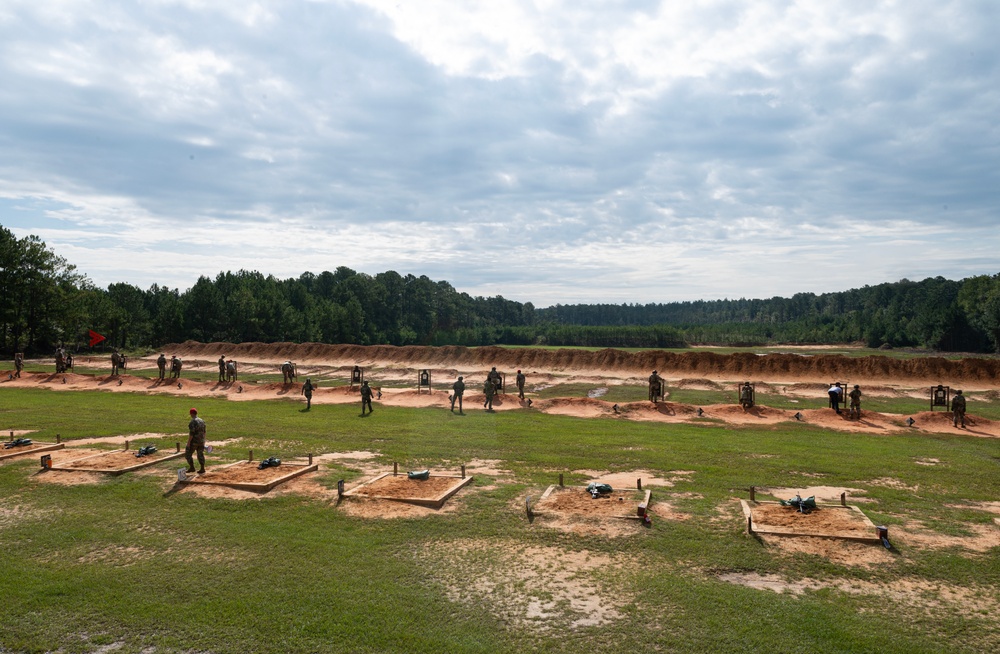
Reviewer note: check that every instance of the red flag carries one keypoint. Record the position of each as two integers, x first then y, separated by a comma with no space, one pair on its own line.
95,338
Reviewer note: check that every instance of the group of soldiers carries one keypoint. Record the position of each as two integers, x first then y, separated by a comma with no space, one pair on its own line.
175,366
493,384
64,360
836,394
227,369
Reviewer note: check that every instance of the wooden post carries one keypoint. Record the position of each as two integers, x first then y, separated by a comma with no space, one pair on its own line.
11,434
178,446
463,471
843,499
126,445
638,483
560,480
749,525
250,459
753,494
310,458
395,468
57,439
340,488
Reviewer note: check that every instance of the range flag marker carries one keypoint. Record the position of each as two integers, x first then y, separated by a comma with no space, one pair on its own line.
95,338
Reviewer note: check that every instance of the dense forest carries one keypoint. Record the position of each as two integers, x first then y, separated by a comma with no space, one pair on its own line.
45,302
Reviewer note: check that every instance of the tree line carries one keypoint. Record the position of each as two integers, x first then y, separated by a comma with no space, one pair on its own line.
46,302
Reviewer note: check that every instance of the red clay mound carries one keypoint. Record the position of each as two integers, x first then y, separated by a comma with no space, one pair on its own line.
941,422
687,364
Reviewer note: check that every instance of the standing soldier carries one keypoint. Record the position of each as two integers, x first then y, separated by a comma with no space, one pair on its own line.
60,360
161,364
495,377
520,384
307,390
366,398
231,369
196,442
958,409
175,367
18,363
489,390
458,388
222,368
116,362
655,387
746,396
855,396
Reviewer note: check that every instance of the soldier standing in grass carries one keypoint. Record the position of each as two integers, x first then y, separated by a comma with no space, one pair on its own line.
855,396
222,368
520,384
655,387
196,442
458,388
307,390
161,364
366,398
116,362
489,390
18,364
958,409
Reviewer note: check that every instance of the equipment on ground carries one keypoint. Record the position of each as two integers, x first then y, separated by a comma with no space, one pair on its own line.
419,475
146,450
17,442
597,489
803,505
269,462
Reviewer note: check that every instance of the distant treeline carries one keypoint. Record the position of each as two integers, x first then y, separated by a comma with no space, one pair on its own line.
45,302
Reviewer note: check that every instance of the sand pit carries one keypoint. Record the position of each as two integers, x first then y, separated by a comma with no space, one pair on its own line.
116,462
576,501
35,447
432,492
826,521
245,475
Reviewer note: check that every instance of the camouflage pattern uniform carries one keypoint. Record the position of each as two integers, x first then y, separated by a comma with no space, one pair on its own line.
222,368
196,442
655,387
458,389
855,396
366,398
161,363
116,362
18,364
307,390
231,370
489,390
958,409
175,368
520,384
746,396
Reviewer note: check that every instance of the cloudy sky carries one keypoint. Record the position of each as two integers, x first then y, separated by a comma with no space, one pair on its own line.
551,151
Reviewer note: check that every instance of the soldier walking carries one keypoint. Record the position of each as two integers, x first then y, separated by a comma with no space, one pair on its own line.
307,390
958,409
161,364
489,390
18,363
366,398
855,396
520,384
458,389
196,442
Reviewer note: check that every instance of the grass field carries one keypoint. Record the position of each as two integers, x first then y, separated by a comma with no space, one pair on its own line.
130,564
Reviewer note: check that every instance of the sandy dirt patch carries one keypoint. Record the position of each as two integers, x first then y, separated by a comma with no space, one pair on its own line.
116,460
819,521
402,487
842,552
627,479
821,493
982,538
534,587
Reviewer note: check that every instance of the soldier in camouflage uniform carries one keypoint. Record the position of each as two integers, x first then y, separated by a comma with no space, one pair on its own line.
18,363
458,389
196,442
222,368
855,396
161,364
958,409
520,384
366,398
116,362
175,367
489,390
307,390
655,387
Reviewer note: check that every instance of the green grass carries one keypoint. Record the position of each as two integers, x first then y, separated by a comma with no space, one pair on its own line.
128,562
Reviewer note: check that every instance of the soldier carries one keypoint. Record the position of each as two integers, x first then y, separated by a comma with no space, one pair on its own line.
175,367
958,409
366,398
520,384
287,372
496,379
161,364
489,391
60,360
855,396
307,390
222,368
116,362
196,442
231,370
836,394
655,387
458,389
746,396
18,363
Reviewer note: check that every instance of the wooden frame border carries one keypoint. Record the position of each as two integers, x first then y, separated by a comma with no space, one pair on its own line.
640,508
299,469
46,447
68,465
754,528
435,502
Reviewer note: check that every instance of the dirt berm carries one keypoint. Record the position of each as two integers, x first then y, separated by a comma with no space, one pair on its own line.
686,364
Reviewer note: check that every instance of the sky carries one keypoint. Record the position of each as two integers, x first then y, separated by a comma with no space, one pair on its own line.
546,151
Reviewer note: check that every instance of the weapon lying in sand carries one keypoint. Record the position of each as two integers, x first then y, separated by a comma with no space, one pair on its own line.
145,451
269,462
17,442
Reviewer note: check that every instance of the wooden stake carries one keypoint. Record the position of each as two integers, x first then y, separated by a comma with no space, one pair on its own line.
560,480
749,525
753,494
126,445
463,472
340,488
843,499
395,468
310,458
178,446
57,439
250,460
638,483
